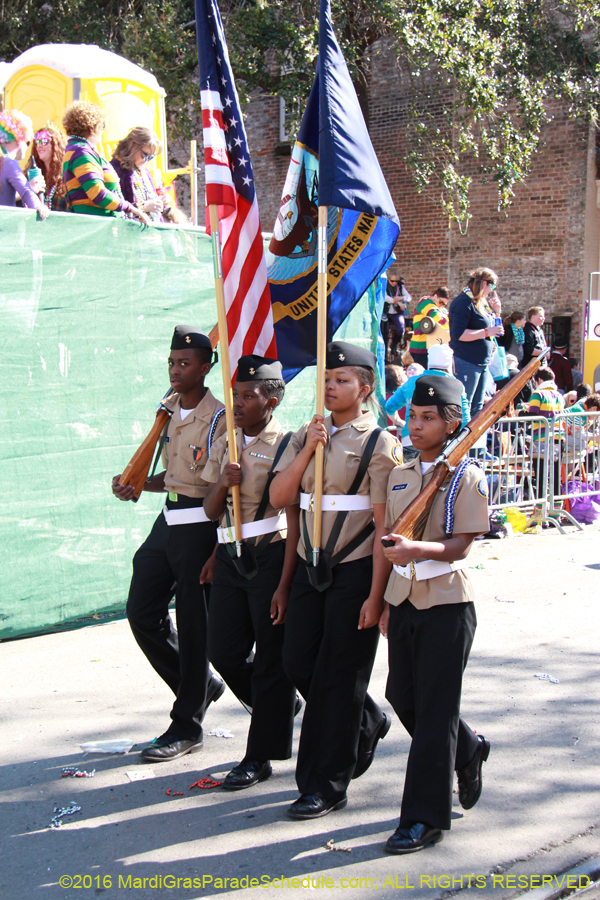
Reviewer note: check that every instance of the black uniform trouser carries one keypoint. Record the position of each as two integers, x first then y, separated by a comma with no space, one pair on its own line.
169,563
239,619
428,651
330,662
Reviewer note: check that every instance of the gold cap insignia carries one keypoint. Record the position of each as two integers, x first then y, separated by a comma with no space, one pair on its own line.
188,339
342,357
252,371
431,392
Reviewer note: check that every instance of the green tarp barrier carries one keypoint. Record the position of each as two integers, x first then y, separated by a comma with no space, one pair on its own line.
88,306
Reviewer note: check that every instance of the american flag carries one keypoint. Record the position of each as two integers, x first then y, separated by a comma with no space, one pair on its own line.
230,185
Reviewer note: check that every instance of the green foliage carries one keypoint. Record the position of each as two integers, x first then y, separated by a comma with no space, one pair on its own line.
151,33
480,76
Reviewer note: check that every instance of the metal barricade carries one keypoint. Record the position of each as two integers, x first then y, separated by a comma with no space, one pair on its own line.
576,473
517,467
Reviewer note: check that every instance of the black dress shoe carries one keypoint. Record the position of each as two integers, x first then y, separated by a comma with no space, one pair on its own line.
469,777
168,747
215,689
312,806
409,840
247,773
366,752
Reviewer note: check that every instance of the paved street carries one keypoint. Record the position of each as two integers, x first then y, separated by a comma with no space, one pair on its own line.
538,609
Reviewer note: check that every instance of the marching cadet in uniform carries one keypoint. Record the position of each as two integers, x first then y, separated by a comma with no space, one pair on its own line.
429,620
172,558
330,640
249,593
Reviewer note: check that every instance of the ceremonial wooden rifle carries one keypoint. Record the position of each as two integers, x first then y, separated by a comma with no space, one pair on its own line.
411,523
136,470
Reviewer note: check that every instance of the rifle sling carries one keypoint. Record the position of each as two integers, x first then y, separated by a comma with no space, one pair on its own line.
264,501
159,449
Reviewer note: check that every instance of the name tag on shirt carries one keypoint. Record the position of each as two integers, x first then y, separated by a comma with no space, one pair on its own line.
399,487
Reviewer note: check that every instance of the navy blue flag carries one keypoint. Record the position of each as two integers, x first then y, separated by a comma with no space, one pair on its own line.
333,164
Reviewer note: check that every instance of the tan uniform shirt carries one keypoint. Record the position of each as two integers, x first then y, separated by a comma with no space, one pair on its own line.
255,470
343,453
470,517
184,476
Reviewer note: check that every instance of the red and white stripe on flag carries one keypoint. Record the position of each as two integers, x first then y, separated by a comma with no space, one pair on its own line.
247,296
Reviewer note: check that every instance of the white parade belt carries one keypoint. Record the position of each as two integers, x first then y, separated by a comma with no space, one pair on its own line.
185,516
429,568
336,502
253,529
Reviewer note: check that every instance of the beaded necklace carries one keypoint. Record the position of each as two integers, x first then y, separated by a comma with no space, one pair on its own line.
140,190
519,334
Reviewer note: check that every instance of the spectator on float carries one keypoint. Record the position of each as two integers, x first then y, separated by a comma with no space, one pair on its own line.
472,316
130,161
440,358
535,340
434,308
513,339
560,365
91,183
47,155
16,133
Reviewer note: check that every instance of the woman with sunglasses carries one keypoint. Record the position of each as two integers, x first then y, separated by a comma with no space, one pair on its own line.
47,155
16,132
472,329
92,184
130,161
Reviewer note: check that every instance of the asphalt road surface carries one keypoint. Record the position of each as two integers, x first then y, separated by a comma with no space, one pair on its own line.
538,605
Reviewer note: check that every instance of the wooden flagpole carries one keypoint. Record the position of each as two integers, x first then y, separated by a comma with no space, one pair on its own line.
321,354
225,367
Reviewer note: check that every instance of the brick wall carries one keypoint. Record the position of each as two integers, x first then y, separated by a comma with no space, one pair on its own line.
536,247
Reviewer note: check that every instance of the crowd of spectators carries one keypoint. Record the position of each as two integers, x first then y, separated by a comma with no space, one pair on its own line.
471,339
67,172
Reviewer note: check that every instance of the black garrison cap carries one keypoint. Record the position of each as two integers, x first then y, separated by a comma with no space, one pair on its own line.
437,390
258,368
340,353
186,336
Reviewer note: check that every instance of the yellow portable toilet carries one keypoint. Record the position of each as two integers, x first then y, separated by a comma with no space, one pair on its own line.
43,80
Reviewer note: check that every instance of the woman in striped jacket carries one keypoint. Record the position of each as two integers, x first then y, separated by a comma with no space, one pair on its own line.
91,183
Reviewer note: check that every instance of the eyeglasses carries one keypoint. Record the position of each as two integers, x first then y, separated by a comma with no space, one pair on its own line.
492,285
41,142
147,157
